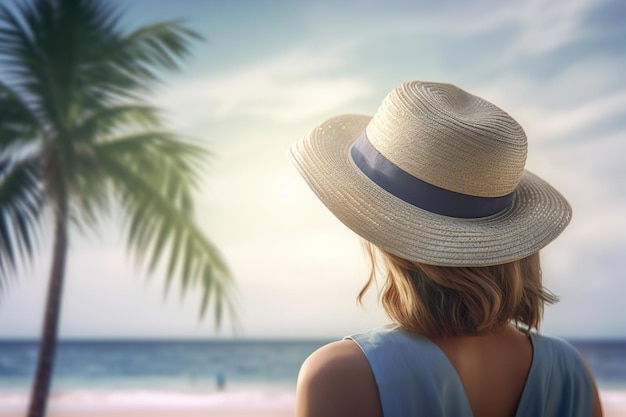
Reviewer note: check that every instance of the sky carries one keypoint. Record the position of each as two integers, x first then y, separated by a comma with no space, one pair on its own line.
270,71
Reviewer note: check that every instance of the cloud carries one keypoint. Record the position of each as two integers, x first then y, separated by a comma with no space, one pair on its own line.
544,26
541,26
558,124
579,97
285,88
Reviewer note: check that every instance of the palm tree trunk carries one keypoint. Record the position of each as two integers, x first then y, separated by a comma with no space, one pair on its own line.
48,342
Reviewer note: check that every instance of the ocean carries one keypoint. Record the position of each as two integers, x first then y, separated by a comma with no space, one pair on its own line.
185,372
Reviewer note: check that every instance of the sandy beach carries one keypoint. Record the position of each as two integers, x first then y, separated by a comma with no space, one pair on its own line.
613,403
157,404
196,413
230,405
159,413
608,412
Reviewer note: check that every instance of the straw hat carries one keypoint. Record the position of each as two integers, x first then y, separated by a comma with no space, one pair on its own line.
435,176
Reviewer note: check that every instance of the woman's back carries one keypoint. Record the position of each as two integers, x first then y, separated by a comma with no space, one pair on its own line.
493,369
391,372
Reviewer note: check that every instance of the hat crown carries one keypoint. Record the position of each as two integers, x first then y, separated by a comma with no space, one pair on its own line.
449,138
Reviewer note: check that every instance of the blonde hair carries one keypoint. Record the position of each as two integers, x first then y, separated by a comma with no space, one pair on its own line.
439,301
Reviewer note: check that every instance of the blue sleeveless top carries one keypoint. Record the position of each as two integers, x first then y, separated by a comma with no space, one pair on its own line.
416,378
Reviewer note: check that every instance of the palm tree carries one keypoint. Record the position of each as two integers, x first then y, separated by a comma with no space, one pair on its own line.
78,142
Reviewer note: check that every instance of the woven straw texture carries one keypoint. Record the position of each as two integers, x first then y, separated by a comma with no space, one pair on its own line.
448,138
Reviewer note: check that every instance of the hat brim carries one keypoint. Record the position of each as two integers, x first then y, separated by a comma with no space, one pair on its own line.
537,215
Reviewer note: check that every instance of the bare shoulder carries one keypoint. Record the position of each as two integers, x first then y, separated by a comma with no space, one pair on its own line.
337,357
336,380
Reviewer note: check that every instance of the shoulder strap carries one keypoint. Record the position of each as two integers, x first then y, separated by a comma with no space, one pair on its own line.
558,383
413,375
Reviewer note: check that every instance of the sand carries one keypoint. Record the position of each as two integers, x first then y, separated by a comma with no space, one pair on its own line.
159,413
614,405
195,413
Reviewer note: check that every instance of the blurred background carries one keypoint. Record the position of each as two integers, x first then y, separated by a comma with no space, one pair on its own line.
269,72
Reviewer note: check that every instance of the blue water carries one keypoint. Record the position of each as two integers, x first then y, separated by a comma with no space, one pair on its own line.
159,364
607,360
200,365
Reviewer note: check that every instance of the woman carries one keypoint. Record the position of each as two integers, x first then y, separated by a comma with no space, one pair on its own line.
435,184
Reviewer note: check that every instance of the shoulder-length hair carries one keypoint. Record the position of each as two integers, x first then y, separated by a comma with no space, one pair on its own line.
440,301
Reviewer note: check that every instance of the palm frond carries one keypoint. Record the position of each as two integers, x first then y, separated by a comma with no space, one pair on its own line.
90,201
160,159
160,228
107,120
25,38
66,56
126,67
18,125
159,156
20,212
160,44
17,46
